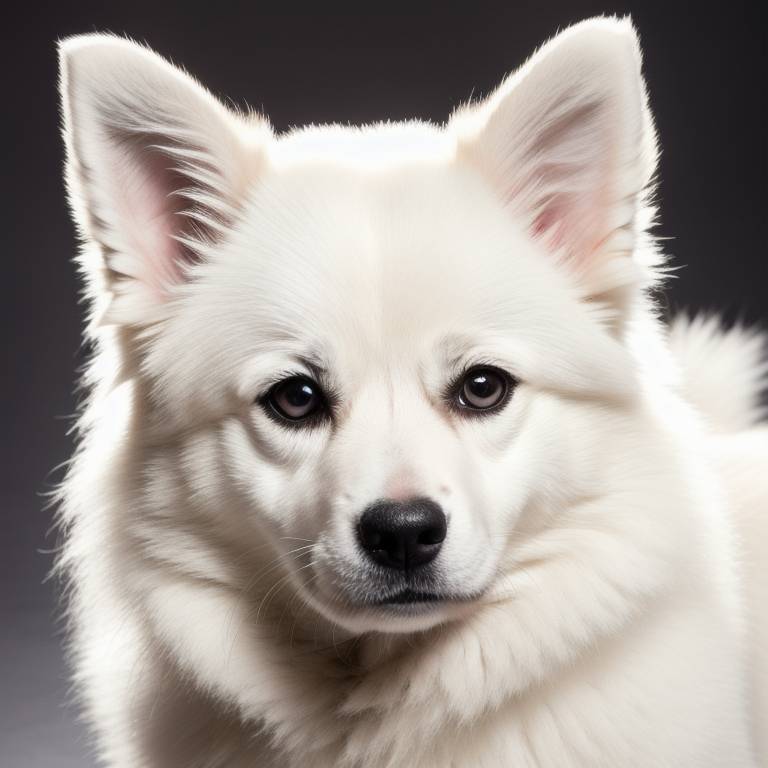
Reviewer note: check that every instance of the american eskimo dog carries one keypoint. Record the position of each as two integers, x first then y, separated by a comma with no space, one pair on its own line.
386,460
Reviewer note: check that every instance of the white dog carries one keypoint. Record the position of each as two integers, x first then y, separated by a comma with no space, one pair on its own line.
386,461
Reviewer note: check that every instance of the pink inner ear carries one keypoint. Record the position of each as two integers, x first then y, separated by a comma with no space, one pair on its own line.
150,212
550,222
571,222
572,232
560,180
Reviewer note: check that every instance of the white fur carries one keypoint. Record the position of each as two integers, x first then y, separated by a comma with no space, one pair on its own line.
592,611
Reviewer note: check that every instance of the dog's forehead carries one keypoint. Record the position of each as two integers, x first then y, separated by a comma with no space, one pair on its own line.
401,250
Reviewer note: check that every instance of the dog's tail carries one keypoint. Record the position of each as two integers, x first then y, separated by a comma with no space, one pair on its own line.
724,371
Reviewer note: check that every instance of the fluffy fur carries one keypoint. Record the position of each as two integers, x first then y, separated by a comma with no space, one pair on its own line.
586,605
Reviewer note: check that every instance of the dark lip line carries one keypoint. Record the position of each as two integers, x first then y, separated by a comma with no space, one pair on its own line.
409,597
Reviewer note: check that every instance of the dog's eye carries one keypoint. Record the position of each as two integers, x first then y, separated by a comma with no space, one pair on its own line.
483,389
295,398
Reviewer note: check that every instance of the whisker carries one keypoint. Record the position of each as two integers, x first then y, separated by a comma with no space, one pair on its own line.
274,588
264,570
268,544
298,615
257,576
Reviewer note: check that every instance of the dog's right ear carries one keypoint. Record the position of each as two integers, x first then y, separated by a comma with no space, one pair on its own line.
156,167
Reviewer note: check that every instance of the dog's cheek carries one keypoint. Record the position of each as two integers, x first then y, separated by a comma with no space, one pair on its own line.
278,474
559,457
519,463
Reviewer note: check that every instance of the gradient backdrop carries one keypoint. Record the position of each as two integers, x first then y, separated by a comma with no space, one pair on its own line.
323,62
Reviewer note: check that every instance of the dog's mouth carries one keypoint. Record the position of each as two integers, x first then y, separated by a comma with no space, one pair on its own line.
392,603
410,597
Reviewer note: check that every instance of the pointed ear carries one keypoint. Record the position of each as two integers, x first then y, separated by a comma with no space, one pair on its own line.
156,168
568,144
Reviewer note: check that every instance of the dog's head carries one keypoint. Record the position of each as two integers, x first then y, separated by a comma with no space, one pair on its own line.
377,354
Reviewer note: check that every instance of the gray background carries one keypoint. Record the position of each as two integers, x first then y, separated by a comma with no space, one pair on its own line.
322,62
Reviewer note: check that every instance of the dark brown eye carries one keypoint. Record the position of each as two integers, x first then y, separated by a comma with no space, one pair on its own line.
296,399
483,389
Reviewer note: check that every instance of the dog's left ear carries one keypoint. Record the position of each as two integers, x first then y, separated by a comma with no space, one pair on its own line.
568,143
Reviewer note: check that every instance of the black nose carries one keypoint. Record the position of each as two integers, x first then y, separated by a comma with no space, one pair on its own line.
403,535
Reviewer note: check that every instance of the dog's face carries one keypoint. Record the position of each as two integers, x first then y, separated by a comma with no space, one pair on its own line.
396,361
382,351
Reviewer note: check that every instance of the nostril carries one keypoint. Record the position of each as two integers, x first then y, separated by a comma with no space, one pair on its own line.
403,535
432,536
